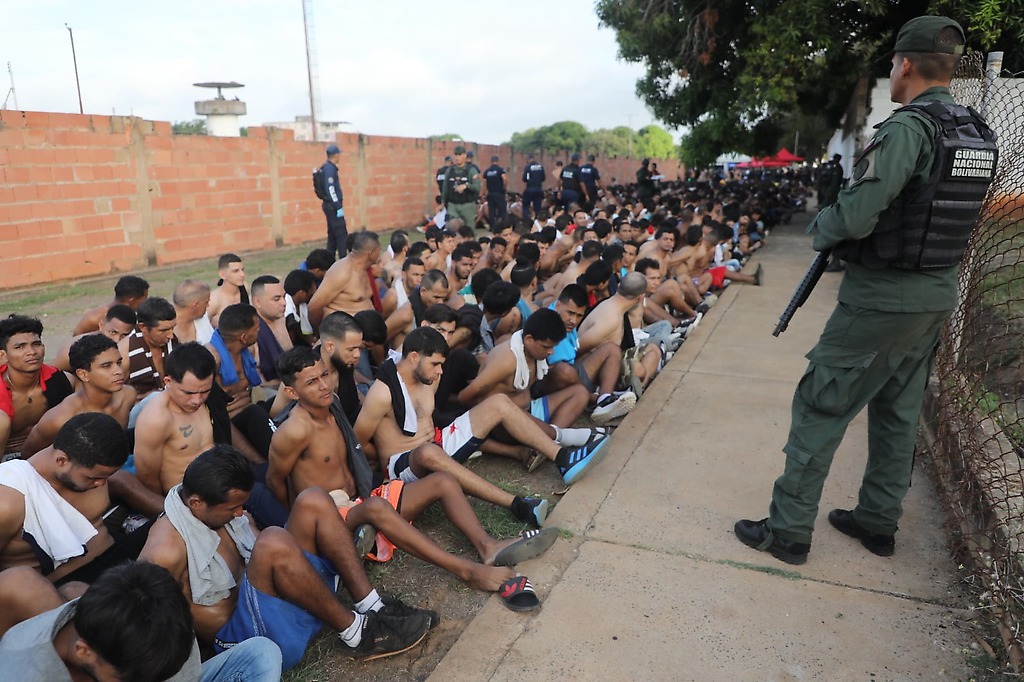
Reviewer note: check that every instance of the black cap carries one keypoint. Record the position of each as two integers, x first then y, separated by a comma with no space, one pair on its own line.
494,159
332,149
575,156
459,150
591,158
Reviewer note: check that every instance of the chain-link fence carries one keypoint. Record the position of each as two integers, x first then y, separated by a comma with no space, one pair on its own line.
979,399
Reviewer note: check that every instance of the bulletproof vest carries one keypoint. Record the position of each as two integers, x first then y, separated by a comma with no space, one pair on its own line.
570,177
493,177
587,175
929,226
440,175
534,175
460,176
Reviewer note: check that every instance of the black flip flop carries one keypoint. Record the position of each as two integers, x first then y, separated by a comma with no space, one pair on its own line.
530,544
518,594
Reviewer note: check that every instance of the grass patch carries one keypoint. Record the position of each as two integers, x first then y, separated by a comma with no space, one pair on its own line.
770,570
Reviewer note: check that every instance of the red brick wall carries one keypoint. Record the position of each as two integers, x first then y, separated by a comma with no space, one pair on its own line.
85,195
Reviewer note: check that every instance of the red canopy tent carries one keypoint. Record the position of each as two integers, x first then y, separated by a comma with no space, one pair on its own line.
787,156
780,160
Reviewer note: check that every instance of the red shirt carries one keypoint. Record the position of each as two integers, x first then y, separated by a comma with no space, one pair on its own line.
7,400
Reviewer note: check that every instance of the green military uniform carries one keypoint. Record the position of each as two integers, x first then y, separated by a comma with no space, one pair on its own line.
877,348
461,205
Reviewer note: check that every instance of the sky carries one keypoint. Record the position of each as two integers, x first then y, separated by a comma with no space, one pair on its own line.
483,70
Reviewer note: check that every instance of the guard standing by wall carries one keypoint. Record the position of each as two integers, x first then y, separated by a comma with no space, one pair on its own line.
497,192
461,188
572,190
645,184
903,226
333,202
533,192
591,179
439,176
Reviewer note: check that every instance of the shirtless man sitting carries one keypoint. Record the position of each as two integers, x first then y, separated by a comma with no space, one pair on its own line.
606,324
394,257
144,350
129,290
463,260
187,418
71,542
346,286
316,448
597,370
28,387
447,240
231,288
408,445
278,583
191,301
515,365
408,279
272,339
118,323
434,288
680,293
97,364
238,374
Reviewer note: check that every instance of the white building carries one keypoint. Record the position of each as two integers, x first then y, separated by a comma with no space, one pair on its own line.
303,127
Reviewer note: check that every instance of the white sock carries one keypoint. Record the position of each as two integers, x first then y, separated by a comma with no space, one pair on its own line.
574,437
558,434
371,602
353,634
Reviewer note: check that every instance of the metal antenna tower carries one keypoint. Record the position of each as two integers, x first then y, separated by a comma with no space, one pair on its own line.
11,94
311,66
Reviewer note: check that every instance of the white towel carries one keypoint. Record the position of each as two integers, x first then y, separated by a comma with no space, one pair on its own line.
522,378
209,577
56,527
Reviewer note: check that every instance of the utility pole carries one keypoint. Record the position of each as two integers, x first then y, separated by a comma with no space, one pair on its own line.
75,60
11,93
307,25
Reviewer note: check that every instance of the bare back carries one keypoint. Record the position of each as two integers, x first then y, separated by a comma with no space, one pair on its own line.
345,288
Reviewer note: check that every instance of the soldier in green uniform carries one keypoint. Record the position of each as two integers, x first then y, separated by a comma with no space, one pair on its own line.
902,226
461,188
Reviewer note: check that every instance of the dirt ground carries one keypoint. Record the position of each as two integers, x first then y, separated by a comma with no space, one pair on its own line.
417,583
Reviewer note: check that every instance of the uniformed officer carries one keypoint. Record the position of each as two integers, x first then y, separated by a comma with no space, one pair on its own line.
460,188
903,243
831,181
333,203
533,192
439,176
645,183
591,179
497,188
571,189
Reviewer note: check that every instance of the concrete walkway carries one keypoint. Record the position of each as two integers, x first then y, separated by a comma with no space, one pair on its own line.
654,585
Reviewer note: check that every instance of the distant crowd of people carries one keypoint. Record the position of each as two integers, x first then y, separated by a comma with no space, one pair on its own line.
251,442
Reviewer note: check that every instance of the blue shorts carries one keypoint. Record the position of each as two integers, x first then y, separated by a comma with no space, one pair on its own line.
539,408
261,615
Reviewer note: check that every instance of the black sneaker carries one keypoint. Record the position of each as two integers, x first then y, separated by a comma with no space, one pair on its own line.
384,636
843,521
531,510
396,608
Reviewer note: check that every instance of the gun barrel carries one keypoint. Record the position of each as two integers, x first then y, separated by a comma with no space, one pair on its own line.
803,290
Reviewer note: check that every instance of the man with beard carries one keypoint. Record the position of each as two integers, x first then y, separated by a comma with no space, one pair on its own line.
341,343
145,349
52,505
434,288
459,273
398,295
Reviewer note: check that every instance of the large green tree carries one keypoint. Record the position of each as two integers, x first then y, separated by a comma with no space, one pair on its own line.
651,140
732,69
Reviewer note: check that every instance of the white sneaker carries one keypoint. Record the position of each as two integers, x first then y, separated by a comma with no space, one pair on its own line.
613,407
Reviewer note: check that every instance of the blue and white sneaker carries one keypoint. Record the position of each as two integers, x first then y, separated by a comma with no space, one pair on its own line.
532,510
581,460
